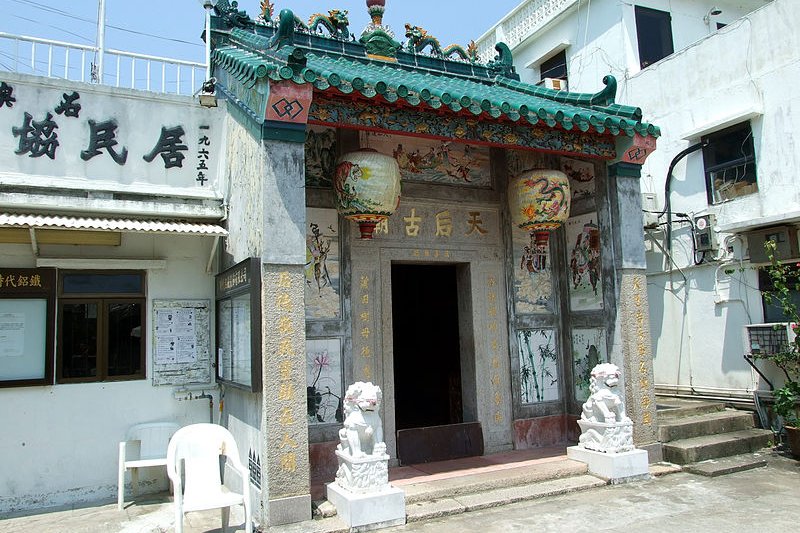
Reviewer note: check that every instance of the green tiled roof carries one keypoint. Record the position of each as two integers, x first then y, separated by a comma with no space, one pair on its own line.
251,54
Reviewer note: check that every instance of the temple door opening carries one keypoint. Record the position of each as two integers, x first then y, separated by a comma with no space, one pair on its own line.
429,406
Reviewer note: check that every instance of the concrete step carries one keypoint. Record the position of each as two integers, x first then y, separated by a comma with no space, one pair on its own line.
706,447
436,489
727,465
671,408
712,423
425,510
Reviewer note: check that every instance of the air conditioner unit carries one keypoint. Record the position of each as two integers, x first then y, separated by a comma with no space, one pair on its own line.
557,84
705,238
785,238
768,338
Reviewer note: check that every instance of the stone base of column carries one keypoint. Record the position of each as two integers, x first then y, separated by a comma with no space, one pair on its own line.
616,467
289,510
366,512
654,451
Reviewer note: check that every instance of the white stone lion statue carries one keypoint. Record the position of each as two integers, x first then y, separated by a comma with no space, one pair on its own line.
362,434
605,426
604,403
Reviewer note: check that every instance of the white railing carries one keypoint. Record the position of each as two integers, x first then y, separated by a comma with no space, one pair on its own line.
78,62
518,25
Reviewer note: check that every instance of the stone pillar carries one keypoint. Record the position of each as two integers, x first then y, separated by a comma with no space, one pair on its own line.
632,323
284,431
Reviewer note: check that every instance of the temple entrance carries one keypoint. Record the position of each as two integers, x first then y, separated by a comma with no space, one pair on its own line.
429,401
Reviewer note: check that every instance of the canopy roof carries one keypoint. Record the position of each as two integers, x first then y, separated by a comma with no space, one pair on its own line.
379,69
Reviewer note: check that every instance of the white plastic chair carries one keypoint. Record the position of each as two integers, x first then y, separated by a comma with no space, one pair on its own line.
193,455
144,446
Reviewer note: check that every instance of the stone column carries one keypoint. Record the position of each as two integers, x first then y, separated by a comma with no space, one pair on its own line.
632,323
284,431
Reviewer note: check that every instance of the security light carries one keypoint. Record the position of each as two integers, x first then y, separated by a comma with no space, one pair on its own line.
713,12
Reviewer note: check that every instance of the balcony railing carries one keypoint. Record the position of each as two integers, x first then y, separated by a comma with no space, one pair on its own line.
522,22
77,62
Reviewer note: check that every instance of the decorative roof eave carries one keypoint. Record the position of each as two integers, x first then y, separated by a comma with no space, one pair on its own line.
249,57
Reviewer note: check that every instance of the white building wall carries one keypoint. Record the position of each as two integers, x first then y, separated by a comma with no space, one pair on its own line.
607,44
748,70
61,442
736,74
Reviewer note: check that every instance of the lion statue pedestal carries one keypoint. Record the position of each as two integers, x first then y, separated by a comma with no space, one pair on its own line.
606,441
362,495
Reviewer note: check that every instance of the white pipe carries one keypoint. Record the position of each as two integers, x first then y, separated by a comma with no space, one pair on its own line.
101,38
208,8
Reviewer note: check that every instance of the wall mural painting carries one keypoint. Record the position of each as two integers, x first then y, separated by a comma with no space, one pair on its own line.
518,161
538,365
588,350
320,156
434,161
583,257
533,282
324,381
581,177
322,265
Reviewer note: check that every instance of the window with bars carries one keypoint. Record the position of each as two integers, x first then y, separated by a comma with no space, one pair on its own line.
730,163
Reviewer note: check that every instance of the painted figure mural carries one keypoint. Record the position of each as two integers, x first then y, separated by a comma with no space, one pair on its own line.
322,264
432,161
583,249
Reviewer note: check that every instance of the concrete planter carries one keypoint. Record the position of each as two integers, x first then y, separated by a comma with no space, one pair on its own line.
793,440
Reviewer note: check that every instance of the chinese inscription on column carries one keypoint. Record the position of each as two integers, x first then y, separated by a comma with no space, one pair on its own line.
494,348
287,396
642,377
363,326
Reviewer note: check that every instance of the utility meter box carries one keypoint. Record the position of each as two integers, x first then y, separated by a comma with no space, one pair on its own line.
705,238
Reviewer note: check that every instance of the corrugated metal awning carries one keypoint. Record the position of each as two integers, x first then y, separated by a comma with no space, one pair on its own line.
16,220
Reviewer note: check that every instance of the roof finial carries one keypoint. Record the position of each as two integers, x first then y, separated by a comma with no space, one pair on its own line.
376,9
376,37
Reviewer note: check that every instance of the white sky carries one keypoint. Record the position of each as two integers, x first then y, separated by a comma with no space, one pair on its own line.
451,21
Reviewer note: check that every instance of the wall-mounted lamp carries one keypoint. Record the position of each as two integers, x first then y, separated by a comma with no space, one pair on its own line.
713,12
207,94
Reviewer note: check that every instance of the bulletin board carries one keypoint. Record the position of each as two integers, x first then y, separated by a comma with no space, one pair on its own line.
181,342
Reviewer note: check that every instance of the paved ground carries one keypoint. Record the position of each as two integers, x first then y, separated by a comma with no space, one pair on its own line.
764,499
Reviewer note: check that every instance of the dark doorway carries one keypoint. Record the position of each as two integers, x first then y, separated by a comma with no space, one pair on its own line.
427,361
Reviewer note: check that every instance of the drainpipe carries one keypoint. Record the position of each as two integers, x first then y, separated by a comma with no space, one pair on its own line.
668,184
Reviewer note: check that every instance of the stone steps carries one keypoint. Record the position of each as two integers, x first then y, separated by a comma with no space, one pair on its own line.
710,423
425,510
451,487
446,494
693,431
672,408
706,447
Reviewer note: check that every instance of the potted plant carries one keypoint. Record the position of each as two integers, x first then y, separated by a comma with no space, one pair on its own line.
786,278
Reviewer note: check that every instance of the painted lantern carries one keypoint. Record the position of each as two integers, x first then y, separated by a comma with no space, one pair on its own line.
367,185
539,202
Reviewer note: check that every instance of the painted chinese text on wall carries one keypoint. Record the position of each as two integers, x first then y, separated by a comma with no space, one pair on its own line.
114,140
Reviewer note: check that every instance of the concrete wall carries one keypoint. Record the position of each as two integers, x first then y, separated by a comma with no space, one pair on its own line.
607,44
60,442
756,81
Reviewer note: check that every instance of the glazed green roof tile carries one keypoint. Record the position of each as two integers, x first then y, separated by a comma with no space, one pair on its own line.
252,53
